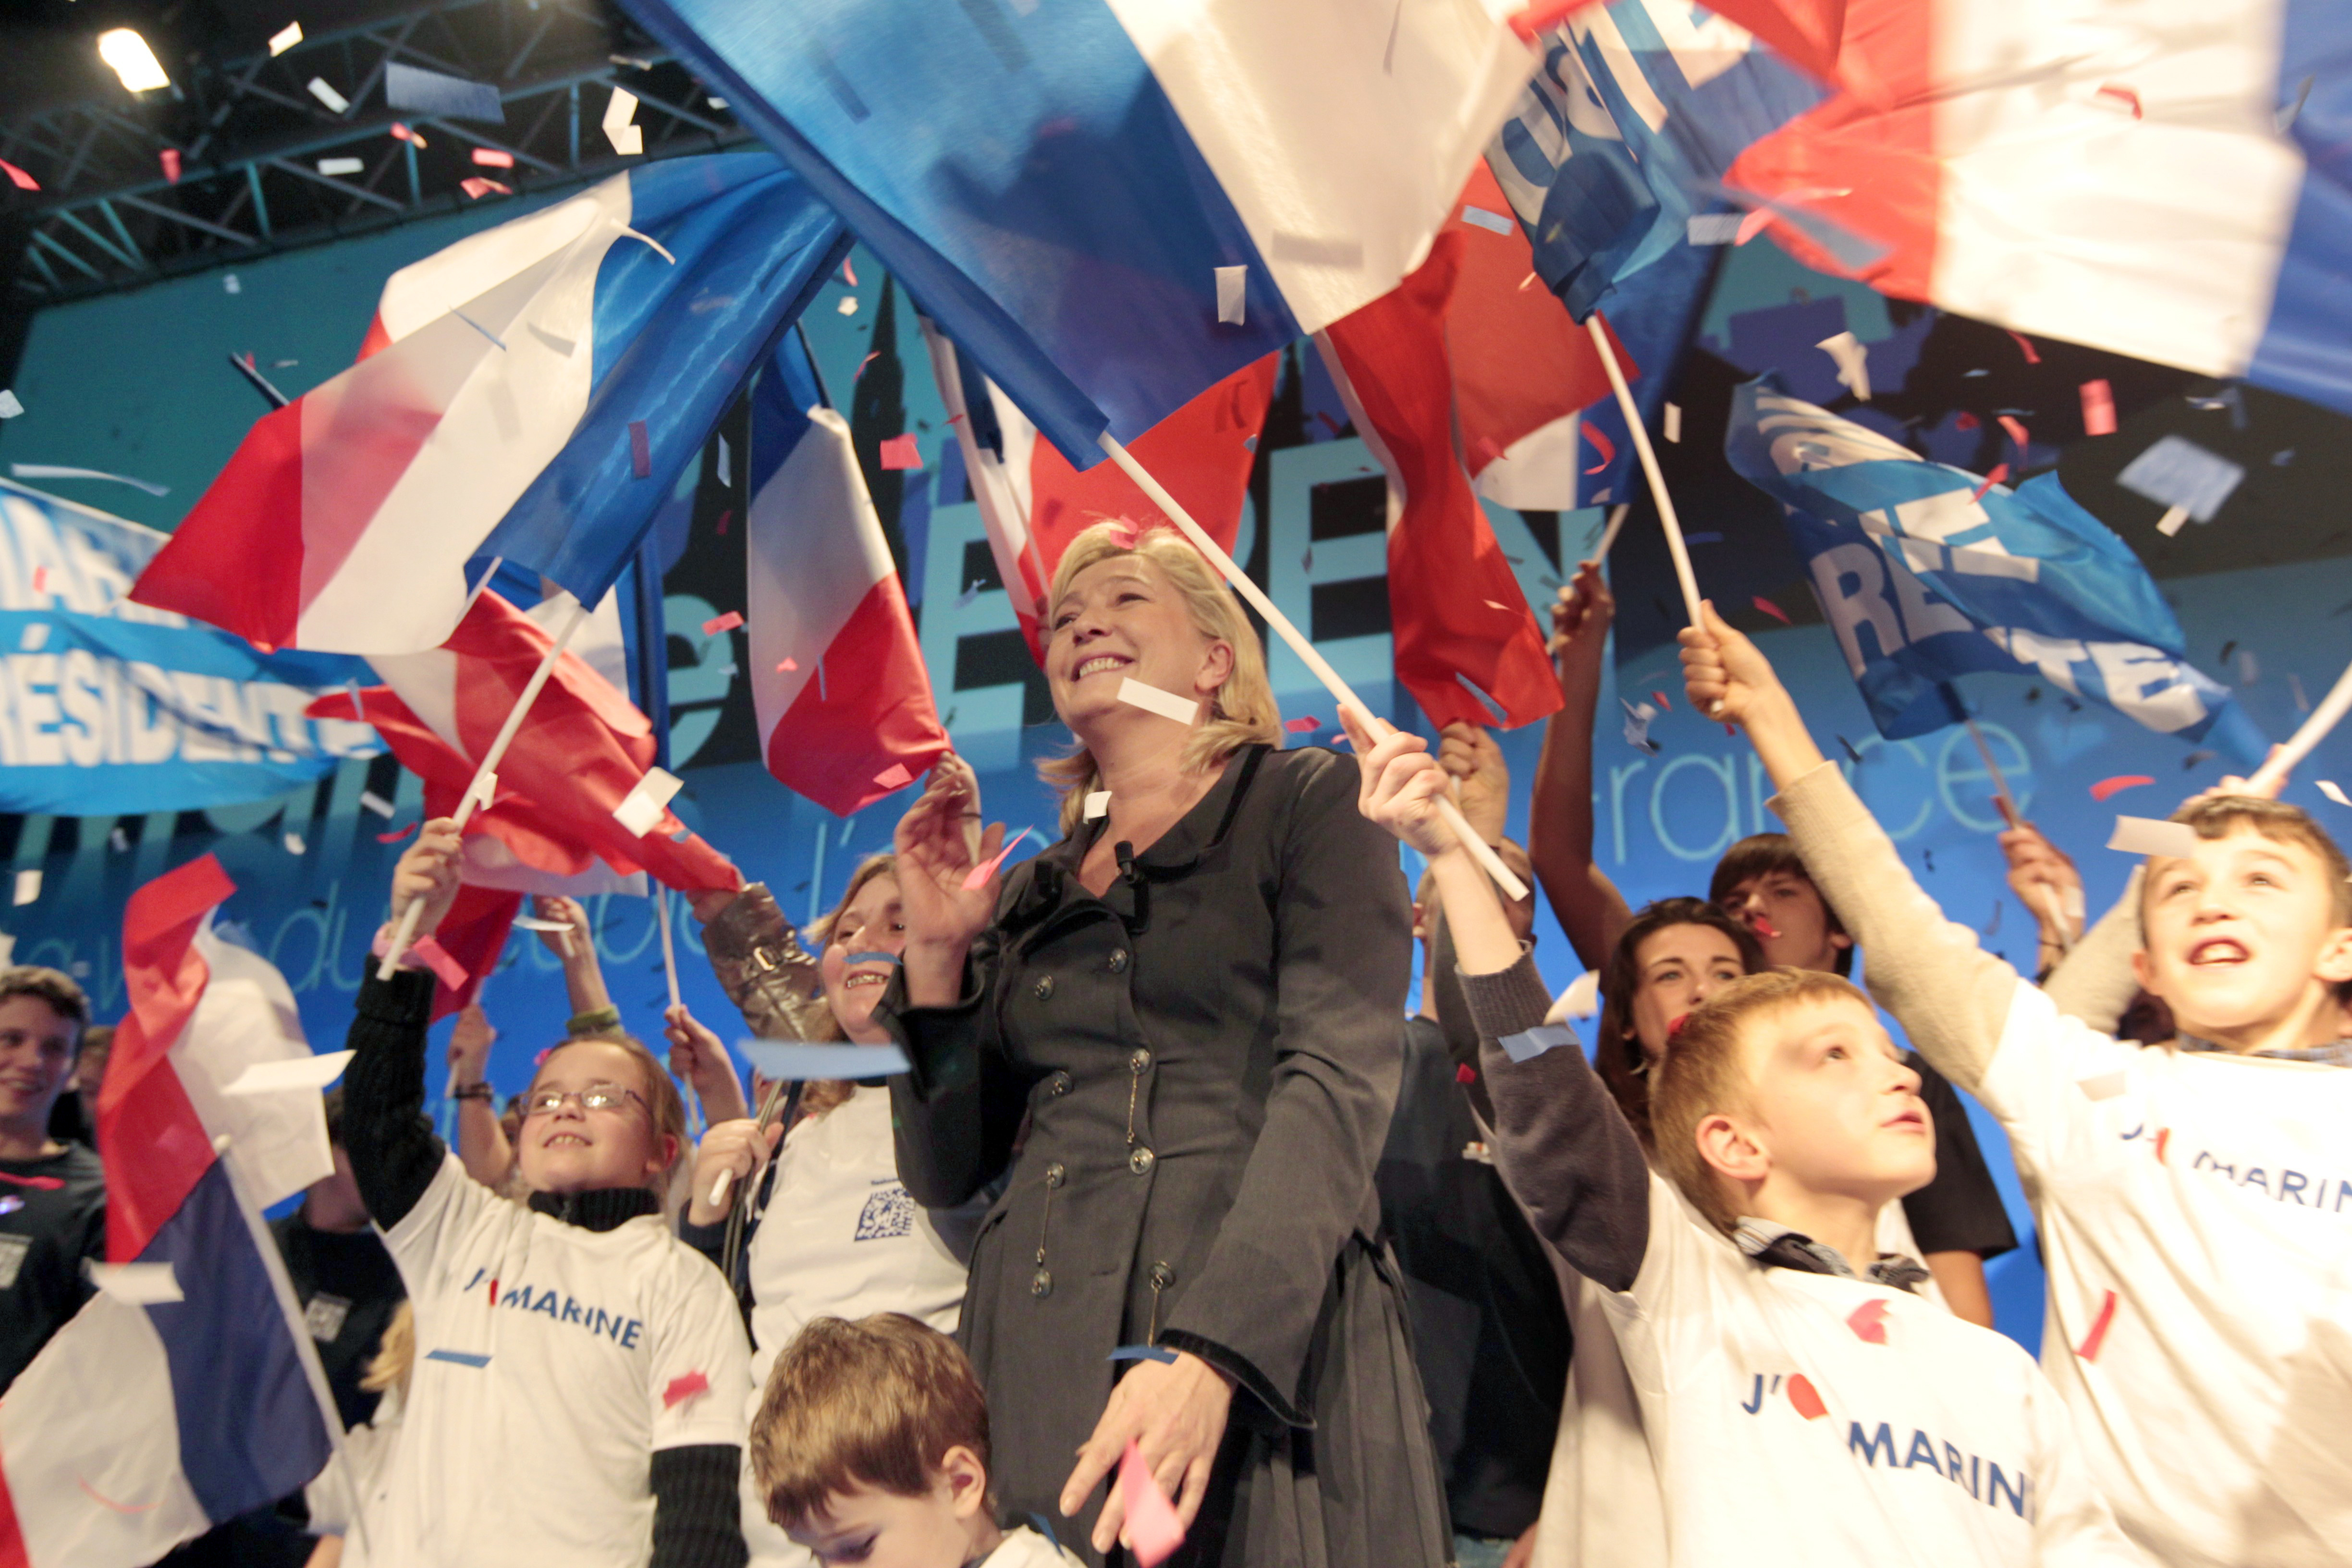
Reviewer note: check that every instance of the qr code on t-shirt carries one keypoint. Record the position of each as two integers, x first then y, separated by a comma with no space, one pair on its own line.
324,1317
12,1257
889,1212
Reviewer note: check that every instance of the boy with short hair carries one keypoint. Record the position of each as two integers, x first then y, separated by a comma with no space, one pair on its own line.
1803,1406
871,1447
52,1193
2189,1196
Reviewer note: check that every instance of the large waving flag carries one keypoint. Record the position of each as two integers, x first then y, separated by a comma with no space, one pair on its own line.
183,1393
2170,179
111,708
1926,572
1113,205
528,394
838,681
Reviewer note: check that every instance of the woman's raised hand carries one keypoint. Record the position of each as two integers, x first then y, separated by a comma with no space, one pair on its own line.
428,871
1401,785
936,857
739,1147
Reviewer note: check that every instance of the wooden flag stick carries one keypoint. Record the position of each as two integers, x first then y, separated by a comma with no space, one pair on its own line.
1675,545
1480,850
2323,718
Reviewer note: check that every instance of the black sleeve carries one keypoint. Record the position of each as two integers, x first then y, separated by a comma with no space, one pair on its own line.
1961,1210
697,1521
957,1106
395,1154
1564,1146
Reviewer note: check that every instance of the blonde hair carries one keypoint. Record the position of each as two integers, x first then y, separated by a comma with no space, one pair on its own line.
821,1095
1242,711
395,1353
662,1102
1706,1073
876,1403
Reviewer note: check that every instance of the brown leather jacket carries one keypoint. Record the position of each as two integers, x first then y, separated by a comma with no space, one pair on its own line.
764,970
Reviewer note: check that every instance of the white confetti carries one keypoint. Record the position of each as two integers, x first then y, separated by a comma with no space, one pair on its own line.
1151,700
1637,726
1853,362
312,1073
136,1284
285,39
335,101
9,406
376,803
848,306
29,886
1529,1044
294,844
2146,835
2177,473
1674,423
627,140
118,841
340,165
1712,228
2328,788
230,285
643,806
1232,295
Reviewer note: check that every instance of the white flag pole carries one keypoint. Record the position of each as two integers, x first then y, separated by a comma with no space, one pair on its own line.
1675,545
1480,850
2323,718
483,771
694,1123
1609,535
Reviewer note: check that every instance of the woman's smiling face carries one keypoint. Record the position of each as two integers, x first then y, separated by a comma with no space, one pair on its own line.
1122,619
870,922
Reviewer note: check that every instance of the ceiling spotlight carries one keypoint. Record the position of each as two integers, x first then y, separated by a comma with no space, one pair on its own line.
133,60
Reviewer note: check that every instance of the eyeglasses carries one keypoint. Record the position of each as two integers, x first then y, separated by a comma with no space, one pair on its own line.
595,1097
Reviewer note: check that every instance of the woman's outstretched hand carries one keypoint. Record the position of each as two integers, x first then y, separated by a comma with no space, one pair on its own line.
1175,1413
936,857
1401,785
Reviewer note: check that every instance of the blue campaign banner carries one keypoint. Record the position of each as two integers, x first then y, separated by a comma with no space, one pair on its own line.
107,707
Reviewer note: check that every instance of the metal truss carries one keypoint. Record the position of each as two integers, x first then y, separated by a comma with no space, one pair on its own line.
250,135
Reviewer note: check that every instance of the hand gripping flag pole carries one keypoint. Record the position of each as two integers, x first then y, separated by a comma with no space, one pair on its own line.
1480,850
2054,909
1675,545
2323,718
483,771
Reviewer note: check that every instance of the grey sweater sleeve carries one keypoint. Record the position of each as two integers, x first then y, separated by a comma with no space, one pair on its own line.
2095,982
1564,1147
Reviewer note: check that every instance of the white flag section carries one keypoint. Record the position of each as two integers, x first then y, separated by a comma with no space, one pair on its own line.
276,1140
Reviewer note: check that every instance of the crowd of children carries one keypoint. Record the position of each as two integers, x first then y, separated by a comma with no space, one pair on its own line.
1174,1189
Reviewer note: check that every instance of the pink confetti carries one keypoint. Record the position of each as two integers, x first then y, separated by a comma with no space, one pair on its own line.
2026,343
1999,472
169,158
401,133
397,837
848,273
789,666
641,450
2016,433
977,878
869,359
1601,443
1151,1528
2098,408
899,453
1465,1073
724,519
1868,1322
24,182
1966,421
895,777
479,188
726,623
682,1389
436,957
1303,725
2117,785
2122,95
1771,609
1764,927
1752,225
491,158
2098,1334
1661,701
1806,1399
40,579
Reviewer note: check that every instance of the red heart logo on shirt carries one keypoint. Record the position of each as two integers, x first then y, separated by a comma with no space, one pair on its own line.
1801,1395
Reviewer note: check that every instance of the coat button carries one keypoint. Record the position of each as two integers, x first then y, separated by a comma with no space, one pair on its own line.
1059,1083
1056,1174
1162,1277
1044,988
1041,1283
1118,961
1138,1060
1140,1161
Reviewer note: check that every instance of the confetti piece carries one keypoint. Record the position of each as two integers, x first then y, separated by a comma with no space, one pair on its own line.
136,1284
1151,700
2105,1085
789,666
169,158
848,272
2098,408
491,158
647,800
787,1062
28,887
432,93
1712,228
1097,804
2016,433
1303,725
313,1073
977,878
396,836
1600,443
2329,788
1868,1322
1771,609
1806,1400
340,165
901,453
57,471
682,1389
1752,224
1763,928
1637,726
848,307
1964,420
2146,836
1232,295
2249,669
2089,1350
230,285
118,841
1660,698
370,801
628,140
294,844
874,956
438,959
1581,1000
1465,1073
1152,1531
1850,750
1852,361
335,101
1999,472
2116,93
2117,785
1143,1352
40,579
284,38
476,187
2176,473
2170,522
2026,344
641,450
726,623
401,133
1493,222
1674,422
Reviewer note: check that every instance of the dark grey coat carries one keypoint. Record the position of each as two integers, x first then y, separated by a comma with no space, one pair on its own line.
1206,1057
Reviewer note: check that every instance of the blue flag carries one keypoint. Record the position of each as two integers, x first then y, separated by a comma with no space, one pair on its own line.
110,707
1926,573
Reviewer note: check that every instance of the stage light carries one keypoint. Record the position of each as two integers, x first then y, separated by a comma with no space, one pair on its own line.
133,60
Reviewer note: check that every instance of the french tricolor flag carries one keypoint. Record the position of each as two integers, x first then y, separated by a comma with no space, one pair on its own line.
528,395
1113,205
184,1392
838,683
2169,179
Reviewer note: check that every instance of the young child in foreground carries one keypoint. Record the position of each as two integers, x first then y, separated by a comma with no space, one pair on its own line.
871,1447
1801,1404
2191,1195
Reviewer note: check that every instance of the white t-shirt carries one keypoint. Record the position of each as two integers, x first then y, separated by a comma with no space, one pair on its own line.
2209,1198
551,1361
1025,1548
840,1239
1808,1418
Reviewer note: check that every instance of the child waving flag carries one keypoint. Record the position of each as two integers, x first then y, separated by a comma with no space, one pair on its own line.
2189,1194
